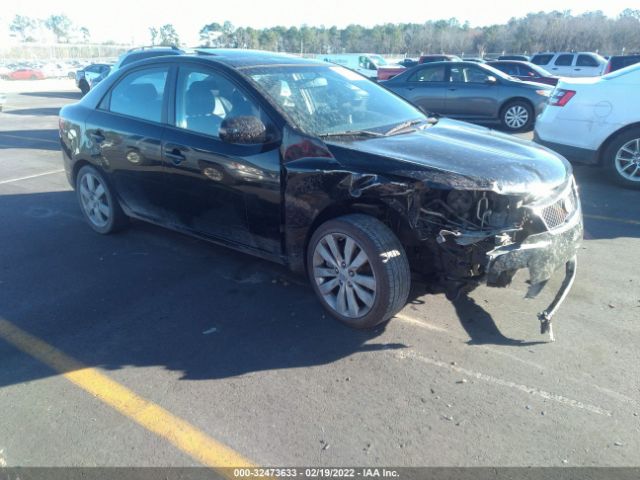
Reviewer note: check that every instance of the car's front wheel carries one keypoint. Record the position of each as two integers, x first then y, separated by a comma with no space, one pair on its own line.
622,158
359,270
517,116
97,201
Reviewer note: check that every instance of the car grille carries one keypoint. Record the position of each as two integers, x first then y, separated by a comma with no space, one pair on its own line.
559,212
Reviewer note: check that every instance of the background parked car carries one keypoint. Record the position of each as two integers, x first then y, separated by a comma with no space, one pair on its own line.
84,75
521,58
597,121
526,71
620,61
133,55
563,64
390,71
26,74
473,92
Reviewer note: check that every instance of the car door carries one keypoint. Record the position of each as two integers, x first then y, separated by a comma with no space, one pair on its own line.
228,192
125,134
471,93
587,66
426,88
563,65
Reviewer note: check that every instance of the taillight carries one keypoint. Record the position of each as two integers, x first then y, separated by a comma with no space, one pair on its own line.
608,68
561,97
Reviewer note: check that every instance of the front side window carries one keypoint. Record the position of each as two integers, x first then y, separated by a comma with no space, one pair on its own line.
469,75
564,60
433,74
140,94
322,100
204,99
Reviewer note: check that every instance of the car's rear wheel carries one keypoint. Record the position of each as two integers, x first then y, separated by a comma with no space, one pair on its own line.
98,202
359,270
622,158
517,116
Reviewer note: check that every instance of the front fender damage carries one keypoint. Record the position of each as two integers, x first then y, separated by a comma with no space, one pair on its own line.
488,245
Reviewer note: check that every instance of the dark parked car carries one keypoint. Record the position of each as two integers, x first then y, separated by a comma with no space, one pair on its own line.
617,62
526,71
135,54
438,58
473,92
312,166
86,74
521,58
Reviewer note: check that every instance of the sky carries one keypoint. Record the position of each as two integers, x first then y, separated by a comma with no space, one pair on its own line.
128,21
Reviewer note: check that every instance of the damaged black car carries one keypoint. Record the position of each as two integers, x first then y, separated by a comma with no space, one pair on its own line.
314,166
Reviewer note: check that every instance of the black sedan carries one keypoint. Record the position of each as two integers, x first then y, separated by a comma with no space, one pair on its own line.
473,92
313,166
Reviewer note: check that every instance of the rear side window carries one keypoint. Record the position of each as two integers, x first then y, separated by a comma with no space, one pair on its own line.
140,94
586,61
541,59
433,74
564,60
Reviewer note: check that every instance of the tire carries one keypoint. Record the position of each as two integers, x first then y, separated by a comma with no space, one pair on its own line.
98,202
621,158
517,116
84,87
372,291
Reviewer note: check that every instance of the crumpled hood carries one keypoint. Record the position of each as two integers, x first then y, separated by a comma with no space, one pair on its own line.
463,156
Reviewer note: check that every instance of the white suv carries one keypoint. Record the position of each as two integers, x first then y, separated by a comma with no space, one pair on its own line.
564,64
596,121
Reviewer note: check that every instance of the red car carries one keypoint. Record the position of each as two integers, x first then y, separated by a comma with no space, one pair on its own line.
526,71
26,74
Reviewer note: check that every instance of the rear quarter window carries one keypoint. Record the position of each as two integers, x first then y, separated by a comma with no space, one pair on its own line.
586,61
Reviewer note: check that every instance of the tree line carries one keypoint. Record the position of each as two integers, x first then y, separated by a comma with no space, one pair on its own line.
553,31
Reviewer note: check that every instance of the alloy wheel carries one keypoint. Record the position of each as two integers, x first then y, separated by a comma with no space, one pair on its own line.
627,160
516,117
343,273
94,200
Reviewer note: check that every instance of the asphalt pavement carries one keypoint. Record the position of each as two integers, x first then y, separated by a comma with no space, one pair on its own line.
239,351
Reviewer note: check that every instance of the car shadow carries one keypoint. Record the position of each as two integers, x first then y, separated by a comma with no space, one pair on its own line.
69,95
30,139
154,298
44,111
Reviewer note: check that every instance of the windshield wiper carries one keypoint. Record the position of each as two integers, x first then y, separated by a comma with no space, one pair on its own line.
403,126
353,133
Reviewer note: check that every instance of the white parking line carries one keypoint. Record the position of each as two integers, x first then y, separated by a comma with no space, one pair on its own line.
19,179
506,383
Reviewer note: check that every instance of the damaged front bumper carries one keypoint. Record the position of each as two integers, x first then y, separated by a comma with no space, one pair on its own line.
542,254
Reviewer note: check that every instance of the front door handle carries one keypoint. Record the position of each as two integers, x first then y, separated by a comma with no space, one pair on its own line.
175,156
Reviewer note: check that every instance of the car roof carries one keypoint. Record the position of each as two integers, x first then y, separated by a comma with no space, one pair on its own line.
240,58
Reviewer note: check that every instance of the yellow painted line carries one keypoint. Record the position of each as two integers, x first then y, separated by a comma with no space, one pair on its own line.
35,139
612,219
154,418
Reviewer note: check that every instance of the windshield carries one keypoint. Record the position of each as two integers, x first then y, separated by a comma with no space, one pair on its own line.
327,100
378,60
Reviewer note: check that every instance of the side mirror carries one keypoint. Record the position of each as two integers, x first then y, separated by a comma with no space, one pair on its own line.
491,80
243,130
